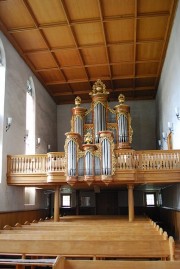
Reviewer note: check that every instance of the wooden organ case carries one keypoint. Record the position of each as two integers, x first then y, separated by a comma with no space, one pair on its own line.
94,135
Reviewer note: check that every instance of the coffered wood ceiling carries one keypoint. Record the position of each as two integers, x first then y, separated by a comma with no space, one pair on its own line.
69,44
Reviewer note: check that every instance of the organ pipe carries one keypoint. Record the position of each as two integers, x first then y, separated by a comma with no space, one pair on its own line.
89,150
99,101
124,134
72,145
78,114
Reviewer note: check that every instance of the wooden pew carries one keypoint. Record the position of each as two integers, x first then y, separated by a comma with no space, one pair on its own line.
20,263
110,264
126,249
139,239
79,236
85,227
63,263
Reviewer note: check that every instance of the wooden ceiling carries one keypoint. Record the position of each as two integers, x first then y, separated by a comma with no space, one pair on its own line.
69,44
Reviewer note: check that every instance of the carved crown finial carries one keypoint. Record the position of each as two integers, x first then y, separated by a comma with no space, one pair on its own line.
77,101
88,138
121,98
98,88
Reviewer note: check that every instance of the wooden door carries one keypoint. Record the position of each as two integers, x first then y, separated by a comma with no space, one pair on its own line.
107,203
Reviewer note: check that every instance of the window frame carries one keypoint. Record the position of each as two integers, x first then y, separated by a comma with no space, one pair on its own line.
63,195
145,198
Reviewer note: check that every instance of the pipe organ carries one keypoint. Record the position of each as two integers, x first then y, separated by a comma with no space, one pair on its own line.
95,134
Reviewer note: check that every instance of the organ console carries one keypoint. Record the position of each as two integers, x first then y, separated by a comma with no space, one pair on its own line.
94,135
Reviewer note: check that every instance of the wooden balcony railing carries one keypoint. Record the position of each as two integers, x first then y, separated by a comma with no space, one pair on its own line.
51,166
35,164
148,160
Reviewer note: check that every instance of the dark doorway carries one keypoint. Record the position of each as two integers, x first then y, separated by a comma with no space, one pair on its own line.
107,203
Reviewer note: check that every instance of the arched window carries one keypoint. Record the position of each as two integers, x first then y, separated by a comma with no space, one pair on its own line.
2,93
30,117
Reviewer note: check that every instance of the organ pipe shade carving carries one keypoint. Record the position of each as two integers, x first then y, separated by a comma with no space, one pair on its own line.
94,136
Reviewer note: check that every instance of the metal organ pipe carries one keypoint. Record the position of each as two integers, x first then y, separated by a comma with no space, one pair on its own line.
79,125
123,128
88,164
106,157
99,120
72,155
124,137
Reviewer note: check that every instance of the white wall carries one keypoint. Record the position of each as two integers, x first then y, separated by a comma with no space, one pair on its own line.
168,96
143,114
17,73
167,99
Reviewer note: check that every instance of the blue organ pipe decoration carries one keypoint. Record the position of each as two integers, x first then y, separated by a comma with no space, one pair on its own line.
95,134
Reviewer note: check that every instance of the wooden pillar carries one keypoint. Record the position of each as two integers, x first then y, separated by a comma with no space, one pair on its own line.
77,202
56,203
131,202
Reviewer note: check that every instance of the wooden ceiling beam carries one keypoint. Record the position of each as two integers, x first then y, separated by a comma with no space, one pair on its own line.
96,65
102,78
93,46
84,21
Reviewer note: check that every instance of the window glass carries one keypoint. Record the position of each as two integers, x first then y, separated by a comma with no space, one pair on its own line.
66,200
30,195
150,199
2,93
30,118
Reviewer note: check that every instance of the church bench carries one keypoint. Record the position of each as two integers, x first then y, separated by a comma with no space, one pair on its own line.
80,236
75,232
84,227
110,264
102,248
21,263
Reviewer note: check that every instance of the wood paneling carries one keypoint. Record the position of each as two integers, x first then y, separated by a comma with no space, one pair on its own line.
59,36
42,60
125,30
49,12
11,218
171,218
121,53
68,57
94,56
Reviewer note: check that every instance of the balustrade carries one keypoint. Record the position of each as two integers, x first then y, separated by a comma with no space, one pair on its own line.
126,160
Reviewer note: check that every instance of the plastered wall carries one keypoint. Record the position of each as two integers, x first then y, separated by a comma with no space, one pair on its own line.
17,73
